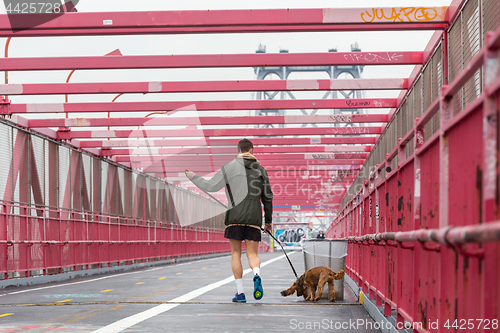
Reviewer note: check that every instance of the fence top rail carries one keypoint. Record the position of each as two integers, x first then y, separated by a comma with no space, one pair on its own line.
452,236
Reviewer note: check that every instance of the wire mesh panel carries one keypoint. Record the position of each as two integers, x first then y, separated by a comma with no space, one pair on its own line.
18,148
326,252
104,187
6,162
64,178
87,174
491,15
455,60
471,44
403,117
39,170
417,98
427,87
437,72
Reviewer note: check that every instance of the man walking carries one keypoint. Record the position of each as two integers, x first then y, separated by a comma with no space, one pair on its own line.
247,185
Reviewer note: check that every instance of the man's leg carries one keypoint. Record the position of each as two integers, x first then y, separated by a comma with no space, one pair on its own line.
237,270
236,258
252,248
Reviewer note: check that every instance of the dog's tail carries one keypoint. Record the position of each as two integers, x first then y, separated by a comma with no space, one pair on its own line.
339,275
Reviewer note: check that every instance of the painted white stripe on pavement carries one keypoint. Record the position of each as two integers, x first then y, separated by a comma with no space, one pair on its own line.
107,277
137,318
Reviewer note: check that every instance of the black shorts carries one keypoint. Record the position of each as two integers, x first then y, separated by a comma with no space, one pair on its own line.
242,232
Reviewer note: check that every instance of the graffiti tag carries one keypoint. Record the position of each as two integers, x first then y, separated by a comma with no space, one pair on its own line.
402,14
372,57
357,103
341,118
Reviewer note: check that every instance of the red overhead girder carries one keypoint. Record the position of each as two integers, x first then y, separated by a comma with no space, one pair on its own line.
219,30
200,86
292,104
264,158
228,142
213,60
238,132
156,166
215,151
296,173
210,21
174,121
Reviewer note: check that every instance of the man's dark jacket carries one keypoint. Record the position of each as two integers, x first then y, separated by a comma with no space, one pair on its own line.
249,184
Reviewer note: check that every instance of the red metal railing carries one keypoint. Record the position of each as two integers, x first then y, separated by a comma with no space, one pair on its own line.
424,235
35,241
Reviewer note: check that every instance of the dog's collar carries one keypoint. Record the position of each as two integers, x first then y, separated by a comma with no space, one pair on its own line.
299,284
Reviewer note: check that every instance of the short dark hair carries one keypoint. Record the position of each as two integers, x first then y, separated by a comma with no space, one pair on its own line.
244,145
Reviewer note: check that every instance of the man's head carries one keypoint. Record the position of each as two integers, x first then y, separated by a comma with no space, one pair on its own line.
245,146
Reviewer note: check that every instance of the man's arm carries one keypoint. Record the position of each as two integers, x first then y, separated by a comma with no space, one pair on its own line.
267,200
212,185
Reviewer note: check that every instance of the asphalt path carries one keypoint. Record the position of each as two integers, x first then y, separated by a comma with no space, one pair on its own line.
193,296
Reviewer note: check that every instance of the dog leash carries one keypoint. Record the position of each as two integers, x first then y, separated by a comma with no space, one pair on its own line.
277,241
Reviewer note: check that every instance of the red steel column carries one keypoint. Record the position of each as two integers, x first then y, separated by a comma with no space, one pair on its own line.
490,210
446,113
447,265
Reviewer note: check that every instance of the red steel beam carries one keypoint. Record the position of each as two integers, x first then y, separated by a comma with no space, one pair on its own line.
212,61
220,30
232,20
210,142
316,170
180,167
175,121
264,158
201,86
239,132
232,151
155,164
293,104
299,173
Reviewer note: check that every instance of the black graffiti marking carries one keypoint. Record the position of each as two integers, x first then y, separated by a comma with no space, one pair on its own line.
357,103
323,156
340,118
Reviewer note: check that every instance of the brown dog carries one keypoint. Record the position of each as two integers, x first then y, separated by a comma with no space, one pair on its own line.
312,278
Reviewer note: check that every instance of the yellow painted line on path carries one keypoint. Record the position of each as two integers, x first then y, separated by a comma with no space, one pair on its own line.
179,273
203,268
66,300
140,283
6,314
162,278
105,291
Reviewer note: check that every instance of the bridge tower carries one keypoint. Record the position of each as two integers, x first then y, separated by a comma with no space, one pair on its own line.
334,72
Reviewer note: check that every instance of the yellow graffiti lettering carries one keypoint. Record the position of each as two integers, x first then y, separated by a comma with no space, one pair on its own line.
372,16
407,11
401,14
425,14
